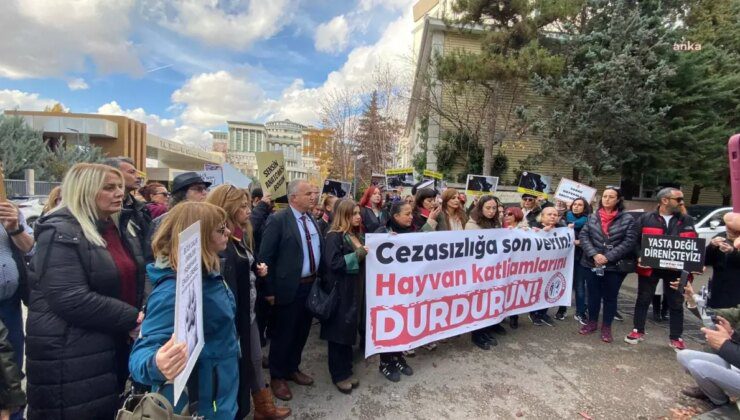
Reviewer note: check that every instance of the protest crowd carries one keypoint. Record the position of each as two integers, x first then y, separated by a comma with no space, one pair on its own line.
99,275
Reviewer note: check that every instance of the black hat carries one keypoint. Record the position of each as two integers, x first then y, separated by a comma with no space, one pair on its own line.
528,196
186,179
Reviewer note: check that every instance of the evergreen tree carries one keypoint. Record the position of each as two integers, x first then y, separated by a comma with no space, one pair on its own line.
374,138
64,156
604,117
704,97
513,51
21,147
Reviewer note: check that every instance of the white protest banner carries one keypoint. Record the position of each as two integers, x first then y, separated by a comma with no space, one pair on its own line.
569,190
189,301
425,287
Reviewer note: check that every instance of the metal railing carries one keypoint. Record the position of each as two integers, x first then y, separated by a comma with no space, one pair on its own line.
19,187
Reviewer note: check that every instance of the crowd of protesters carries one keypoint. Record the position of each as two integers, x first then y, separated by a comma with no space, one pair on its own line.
101,283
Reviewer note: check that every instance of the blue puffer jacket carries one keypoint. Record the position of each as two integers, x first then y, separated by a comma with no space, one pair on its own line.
218,370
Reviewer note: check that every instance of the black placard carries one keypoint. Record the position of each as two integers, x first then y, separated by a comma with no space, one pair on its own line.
673,253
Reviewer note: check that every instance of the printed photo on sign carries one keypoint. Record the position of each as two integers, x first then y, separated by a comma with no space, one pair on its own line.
569,190
535,184
339,189
189,301
673,253
481,184
430,286
399,178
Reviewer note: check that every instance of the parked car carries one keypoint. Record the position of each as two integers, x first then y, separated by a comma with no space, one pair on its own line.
31,207
708,220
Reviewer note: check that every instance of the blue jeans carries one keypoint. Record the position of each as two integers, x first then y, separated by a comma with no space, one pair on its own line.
10,314
579,287
603,288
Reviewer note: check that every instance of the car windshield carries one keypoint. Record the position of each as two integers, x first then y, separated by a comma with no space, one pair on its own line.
699,212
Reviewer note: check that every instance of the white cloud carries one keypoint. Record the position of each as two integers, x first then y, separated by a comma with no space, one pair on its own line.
166,128
332,36
23,101
367,5
393,48
234,25
50,38
209,99
77,84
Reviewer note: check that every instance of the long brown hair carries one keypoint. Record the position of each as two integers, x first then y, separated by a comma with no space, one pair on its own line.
482,221
230,198
166,241
448,195
343,212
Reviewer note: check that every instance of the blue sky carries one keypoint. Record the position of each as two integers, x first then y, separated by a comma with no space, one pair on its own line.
186,67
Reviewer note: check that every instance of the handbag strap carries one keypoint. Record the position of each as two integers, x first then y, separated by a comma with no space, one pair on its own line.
193,390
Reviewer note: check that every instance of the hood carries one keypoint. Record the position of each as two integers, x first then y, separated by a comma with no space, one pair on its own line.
159,271
60,220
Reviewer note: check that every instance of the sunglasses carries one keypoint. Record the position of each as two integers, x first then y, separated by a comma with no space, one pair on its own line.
166,194
222,229
226,196
678,199
528,199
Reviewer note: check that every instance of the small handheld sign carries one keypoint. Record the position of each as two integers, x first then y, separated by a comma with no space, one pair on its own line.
673,253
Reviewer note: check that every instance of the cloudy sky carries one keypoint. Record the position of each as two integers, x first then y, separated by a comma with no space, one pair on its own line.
187,66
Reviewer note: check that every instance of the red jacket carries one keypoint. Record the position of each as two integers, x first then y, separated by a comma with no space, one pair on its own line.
681,225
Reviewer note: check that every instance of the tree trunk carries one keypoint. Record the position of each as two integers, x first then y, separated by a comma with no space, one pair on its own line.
488,142
695,193
576,175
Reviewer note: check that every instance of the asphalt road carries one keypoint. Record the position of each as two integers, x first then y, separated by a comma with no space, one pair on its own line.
534,373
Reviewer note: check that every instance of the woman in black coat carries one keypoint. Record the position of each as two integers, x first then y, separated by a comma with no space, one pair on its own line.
240,271
344,256
371,209
87,288
608,237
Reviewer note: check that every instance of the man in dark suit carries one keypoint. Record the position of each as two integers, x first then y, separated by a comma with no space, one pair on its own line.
291,247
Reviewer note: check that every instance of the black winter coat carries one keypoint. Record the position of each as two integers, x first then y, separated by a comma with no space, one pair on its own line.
370,221
345,270
730,350
618,245
77,328
12,396
258,219
724,286
236,269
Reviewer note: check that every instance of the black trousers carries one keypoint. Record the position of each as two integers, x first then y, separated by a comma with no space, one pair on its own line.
340,361
645,291
292,326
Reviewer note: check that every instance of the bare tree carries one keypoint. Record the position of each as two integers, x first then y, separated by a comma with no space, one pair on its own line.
339,113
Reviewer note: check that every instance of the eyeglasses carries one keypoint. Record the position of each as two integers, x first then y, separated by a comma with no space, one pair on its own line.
226,196
613,187
198,188
222,229
678,199
166,194
509,213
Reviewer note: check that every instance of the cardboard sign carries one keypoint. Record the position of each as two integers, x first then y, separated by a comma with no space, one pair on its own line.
534,184
432,175
569,190
399,178
428,286
339,189
673,253
271,168
189,301
481,185
211,167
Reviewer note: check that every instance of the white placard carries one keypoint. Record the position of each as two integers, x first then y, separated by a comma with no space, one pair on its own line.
569,190
425,287
189,301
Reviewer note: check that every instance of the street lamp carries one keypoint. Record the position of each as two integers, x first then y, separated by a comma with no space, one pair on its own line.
354,179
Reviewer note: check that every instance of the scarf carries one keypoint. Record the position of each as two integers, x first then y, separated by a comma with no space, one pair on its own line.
395,227
578,221
607,217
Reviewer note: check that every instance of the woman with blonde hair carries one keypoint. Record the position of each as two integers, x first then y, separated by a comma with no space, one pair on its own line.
52,202
157,358
87,288
344,256
240,272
